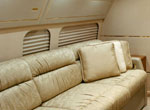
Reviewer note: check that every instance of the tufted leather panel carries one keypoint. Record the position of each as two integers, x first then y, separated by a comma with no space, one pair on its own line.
22,97
55,82
13,72
48,61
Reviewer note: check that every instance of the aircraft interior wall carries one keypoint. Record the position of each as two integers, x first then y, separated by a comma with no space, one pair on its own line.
20,17
129,20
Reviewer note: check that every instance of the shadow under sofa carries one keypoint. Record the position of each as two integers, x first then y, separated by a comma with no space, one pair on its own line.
53,81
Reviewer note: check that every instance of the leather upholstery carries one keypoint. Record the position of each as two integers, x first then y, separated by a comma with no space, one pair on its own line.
120,55
106,94
50,81
48,108
75,47
127,56
132,79
91,96
13,72
94,65
21,97
48,61
56,82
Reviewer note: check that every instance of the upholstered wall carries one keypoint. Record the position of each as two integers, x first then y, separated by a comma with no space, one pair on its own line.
130,20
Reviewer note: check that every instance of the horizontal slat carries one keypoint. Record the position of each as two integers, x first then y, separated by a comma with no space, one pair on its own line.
36,40
76,38
78,33
80,27
36,37
76,41
75,34
32,48
78,30
35,51
36,44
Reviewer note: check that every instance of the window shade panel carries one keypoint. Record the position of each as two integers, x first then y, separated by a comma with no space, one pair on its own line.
36,41
75,34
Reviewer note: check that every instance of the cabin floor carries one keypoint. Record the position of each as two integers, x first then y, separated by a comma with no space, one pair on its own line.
148,99
148,104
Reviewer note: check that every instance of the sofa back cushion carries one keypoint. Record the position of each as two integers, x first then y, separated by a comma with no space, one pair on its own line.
98,61
75,47
54,71
57,81
41,63
17,90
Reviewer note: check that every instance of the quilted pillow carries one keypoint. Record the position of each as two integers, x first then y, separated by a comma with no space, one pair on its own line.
98,61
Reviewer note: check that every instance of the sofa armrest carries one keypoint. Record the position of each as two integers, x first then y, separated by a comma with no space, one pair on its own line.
137,63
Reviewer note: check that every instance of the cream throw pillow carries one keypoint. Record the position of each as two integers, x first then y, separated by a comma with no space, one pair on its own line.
120,56
127,55
98,61
123,55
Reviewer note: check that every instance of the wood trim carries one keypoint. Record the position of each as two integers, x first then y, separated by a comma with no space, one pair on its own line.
125,36
143,59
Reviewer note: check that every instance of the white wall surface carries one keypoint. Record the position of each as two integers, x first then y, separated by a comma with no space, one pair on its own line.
128,17
138,46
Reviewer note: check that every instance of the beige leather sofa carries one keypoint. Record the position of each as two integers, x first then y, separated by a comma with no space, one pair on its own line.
53,81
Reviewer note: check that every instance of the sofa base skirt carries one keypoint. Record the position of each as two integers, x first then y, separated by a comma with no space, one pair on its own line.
138,101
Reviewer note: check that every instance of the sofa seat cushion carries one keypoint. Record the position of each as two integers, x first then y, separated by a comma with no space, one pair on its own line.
133,80
21,97
48,108
91,97
107,94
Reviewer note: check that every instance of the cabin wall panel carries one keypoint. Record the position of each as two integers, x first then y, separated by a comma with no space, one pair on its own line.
11,45
59,11
14,13
130,18
11,41
17,13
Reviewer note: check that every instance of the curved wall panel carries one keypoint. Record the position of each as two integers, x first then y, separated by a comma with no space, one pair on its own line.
20,12
59,11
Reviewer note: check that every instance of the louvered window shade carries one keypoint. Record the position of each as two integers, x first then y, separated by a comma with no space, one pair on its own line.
75,34
36,41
